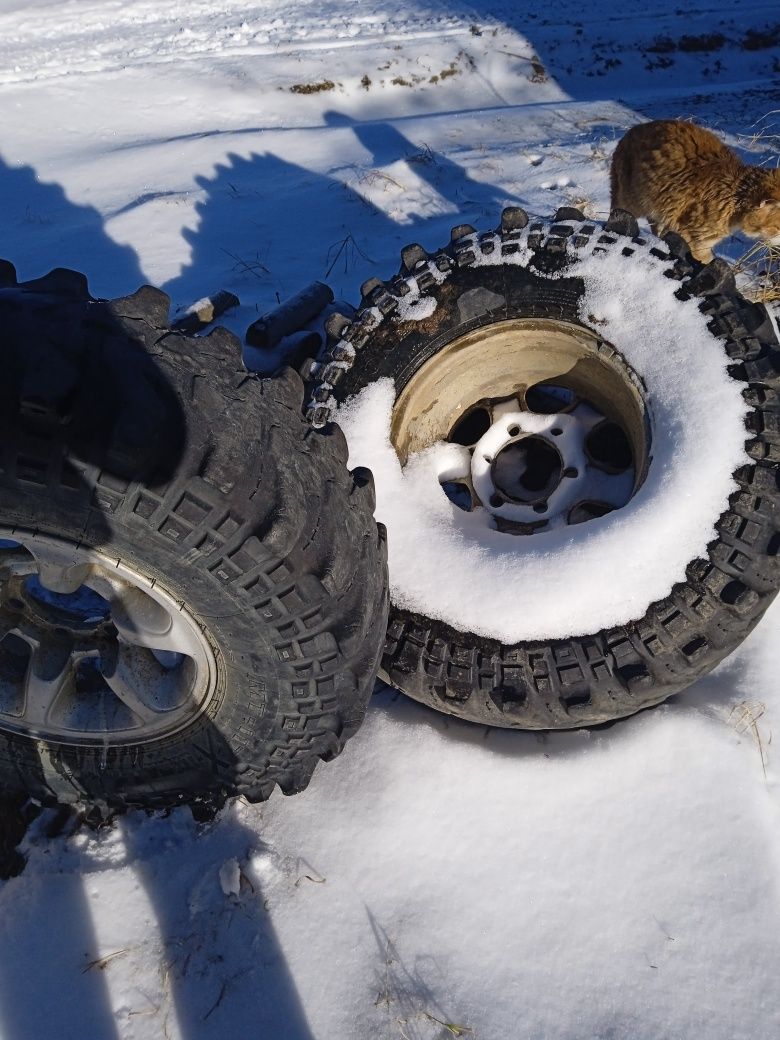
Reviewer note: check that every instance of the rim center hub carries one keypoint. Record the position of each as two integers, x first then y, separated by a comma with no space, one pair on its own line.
527,470
526,465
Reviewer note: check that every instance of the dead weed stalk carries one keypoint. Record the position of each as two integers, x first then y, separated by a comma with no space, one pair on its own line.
347,251
744,718
760,268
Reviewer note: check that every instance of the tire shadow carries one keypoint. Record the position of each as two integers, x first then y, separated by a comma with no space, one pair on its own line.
270,226
41,226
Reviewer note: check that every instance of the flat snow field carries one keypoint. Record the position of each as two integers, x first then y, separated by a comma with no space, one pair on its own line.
438,880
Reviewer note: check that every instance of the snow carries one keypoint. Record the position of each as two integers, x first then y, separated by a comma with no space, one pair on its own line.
614,883
230,877
452,565
621,883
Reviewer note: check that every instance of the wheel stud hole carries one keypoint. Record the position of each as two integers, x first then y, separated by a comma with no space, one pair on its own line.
571,471
556,431
496,501
513,431
540,507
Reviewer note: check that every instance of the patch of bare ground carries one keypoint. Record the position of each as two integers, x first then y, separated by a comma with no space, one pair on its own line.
313,88
761,39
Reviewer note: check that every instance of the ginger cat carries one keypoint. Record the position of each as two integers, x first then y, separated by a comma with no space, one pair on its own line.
683,179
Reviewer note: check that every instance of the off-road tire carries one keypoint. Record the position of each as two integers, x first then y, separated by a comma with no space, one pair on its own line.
564,683
160,450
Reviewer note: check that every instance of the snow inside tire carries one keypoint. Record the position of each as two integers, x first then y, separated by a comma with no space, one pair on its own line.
620,656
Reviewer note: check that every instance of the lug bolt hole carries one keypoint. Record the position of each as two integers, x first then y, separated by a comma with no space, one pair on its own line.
540,507
496,501
513,431
487,458
570,471
556,431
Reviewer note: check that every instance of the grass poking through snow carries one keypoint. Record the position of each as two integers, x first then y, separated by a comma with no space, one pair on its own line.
759,267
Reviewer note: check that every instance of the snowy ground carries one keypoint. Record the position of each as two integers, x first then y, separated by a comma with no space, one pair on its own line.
437,880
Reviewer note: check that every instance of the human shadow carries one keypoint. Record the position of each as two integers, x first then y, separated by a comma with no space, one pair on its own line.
248,207
45,983
218,966
223,967
88,410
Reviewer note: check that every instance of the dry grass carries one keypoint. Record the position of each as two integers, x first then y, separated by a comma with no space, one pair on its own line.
760,271
744,718
347,251
763,138
584,203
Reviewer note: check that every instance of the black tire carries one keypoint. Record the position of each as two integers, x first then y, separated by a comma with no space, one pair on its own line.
590,679
126,440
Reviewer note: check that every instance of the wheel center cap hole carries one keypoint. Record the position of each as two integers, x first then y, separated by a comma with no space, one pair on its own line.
527,470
